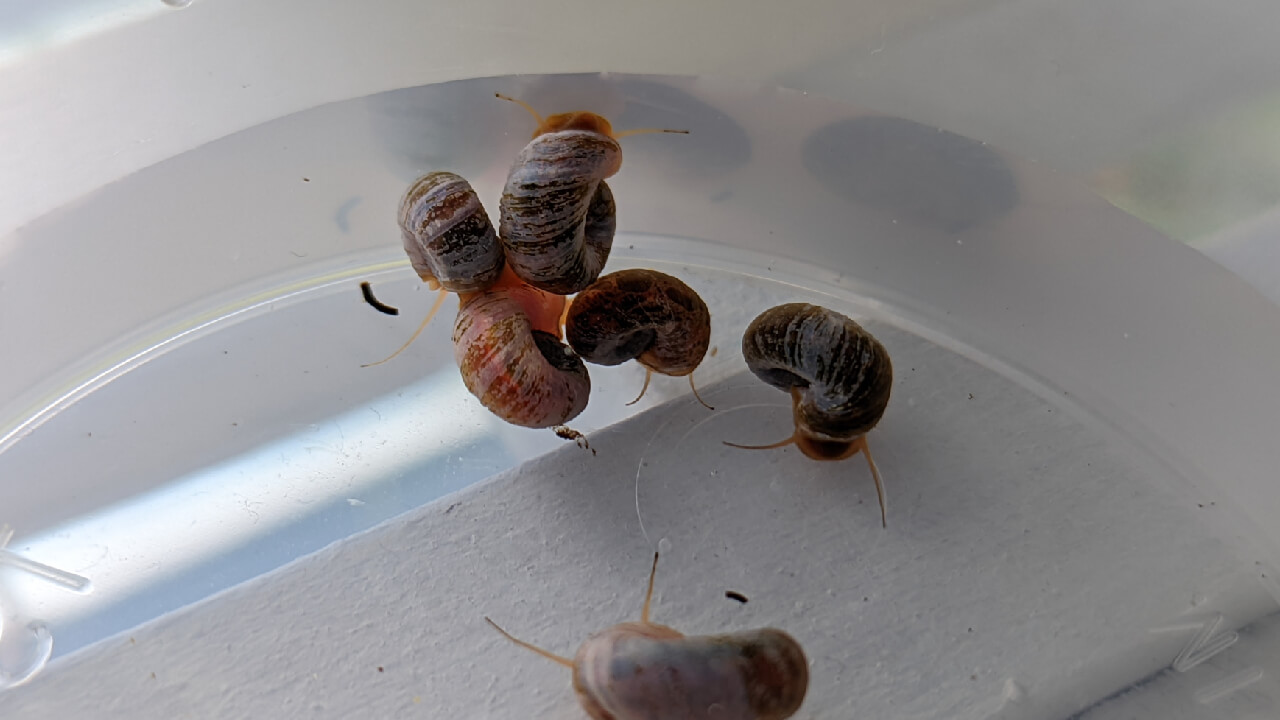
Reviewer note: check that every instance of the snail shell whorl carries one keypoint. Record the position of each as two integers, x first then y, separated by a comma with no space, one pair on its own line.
523,375
841,375
556,218
639,671
447,234
642,314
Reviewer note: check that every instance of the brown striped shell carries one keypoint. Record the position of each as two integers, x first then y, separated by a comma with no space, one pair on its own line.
507,345
644,315
838,374
447,234
556,217
646,671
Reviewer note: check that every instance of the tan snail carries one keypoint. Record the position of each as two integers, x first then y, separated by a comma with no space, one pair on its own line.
838,375
556,218
506,341
645,671
641,315
449,239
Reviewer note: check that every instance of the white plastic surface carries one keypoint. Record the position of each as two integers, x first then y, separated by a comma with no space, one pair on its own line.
1161,359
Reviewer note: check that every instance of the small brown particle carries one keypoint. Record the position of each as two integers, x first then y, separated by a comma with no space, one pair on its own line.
306,179
379,668
735,595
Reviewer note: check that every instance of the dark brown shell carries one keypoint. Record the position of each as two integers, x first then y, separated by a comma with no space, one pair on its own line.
640,314
840,373
556,218
447,234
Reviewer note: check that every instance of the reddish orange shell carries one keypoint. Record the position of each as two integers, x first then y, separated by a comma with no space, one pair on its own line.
521,373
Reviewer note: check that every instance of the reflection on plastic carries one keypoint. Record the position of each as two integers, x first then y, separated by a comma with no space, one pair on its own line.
933,177
25,645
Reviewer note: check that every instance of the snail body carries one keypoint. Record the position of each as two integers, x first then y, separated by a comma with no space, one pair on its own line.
646,671
838,375
507,346
448,236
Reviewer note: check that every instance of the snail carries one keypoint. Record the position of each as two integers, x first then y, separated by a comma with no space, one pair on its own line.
645,671
838,375
644,315
449,239
506,341
556,217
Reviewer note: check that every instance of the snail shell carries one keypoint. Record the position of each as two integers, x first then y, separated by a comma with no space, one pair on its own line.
447,234
507,346
644,315
839,376
645,671
556,218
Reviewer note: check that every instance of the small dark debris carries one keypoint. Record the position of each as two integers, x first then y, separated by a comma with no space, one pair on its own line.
379,668
153,676
567,433
970,396
451,507
970,629
367,291
866,599
973,677
90,434
306,179
735,595
713,352
132,641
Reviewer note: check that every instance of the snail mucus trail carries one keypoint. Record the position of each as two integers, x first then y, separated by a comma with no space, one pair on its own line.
838,375
642,315
646,671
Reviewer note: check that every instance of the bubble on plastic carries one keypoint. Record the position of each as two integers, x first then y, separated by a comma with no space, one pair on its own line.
25,648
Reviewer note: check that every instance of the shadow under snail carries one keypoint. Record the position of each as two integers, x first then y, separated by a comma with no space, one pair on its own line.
838,375
646,671
642,315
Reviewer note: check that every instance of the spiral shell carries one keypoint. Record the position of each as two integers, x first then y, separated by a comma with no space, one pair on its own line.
447,234
507,347
556,217
644,315
643,671
839,375
646,671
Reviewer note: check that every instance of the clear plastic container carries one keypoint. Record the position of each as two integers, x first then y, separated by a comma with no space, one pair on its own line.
1077,451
